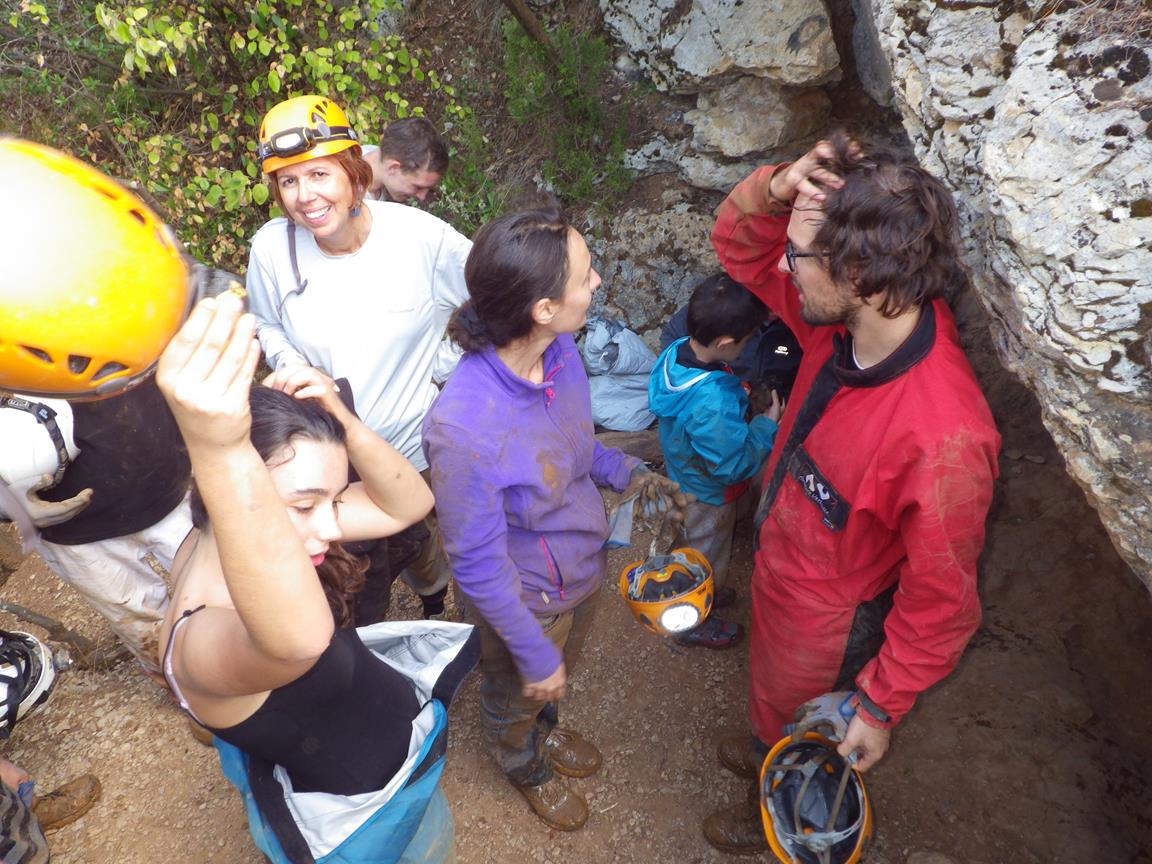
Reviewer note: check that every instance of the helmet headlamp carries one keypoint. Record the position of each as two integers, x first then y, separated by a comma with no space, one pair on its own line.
669,594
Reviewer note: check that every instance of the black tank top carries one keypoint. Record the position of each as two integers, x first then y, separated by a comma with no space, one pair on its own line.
342,727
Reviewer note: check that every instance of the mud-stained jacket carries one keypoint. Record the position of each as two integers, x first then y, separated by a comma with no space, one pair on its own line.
407,821
879,476
515,468
709,448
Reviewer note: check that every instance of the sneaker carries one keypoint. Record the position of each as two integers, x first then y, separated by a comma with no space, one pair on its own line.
571,754
557,804
713,633
737,830
67,803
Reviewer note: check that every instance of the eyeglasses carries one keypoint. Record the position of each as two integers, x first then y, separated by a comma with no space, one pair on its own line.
790,255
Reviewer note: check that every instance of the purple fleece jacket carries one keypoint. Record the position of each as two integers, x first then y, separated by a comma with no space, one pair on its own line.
515,468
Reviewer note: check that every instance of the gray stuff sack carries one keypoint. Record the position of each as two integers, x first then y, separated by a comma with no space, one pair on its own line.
618,364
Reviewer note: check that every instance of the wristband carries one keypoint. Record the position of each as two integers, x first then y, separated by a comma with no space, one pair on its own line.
871,711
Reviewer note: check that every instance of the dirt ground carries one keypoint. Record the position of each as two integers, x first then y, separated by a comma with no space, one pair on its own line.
1036,750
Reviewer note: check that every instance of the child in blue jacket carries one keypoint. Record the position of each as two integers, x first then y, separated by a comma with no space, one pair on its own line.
710,447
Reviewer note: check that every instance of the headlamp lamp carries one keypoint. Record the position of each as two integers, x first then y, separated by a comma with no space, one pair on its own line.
680,618
301,139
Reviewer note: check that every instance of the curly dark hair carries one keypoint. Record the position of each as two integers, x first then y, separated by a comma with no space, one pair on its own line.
892,228
277,420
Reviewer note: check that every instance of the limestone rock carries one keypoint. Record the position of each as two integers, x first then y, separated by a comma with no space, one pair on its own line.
655,262
658,156
1044,138
871,65
684,42
707,172
755,115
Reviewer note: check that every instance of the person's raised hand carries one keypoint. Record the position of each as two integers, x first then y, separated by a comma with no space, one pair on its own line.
805,182
308,382
206,372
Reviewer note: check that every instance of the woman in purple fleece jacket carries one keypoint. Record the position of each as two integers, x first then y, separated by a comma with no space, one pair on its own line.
515,469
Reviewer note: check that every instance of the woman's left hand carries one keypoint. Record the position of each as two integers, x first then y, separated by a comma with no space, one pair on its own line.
308,382
657,494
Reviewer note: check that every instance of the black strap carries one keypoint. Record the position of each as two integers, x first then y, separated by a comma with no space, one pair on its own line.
46,417
300,285
833,375
826,385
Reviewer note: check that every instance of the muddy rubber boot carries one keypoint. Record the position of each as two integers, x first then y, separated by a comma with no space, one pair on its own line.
737,830
557,804
572,755
67,803
740,755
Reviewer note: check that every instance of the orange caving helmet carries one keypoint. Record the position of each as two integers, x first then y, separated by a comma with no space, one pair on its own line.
813,804
94,284
303,128
669,594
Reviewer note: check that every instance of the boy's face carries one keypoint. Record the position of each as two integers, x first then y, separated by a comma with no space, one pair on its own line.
728,349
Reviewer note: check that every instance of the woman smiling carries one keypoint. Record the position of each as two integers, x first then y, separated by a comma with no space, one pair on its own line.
361,290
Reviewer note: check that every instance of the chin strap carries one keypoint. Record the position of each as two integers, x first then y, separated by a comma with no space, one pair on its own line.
46,417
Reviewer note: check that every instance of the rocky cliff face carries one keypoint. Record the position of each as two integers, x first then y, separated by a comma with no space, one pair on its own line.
753,72
1043,132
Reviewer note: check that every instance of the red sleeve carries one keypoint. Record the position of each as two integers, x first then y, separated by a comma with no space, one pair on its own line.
944,500
749,237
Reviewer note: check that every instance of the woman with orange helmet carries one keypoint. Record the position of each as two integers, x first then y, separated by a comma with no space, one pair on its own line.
360,289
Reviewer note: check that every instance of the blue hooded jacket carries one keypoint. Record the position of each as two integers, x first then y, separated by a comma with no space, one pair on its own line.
708,446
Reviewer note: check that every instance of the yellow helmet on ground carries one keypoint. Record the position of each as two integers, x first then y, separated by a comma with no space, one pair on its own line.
813,804
94,284
669,594
303,128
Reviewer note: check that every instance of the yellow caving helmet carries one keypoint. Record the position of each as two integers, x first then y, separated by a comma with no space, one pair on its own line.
303,128
669,594
94,284
813,804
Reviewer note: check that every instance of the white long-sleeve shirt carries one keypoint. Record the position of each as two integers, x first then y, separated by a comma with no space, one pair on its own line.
376,316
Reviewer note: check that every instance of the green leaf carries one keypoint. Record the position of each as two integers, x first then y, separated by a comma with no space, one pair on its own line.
273,81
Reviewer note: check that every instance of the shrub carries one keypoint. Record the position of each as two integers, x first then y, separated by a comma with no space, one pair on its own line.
169,94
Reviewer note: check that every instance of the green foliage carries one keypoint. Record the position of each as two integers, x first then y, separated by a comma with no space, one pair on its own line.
585,140
170,93
468,196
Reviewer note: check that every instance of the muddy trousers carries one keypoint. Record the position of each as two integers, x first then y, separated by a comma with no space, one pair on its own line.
515,727
800,648
21,841
708,529
422,565
125,579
